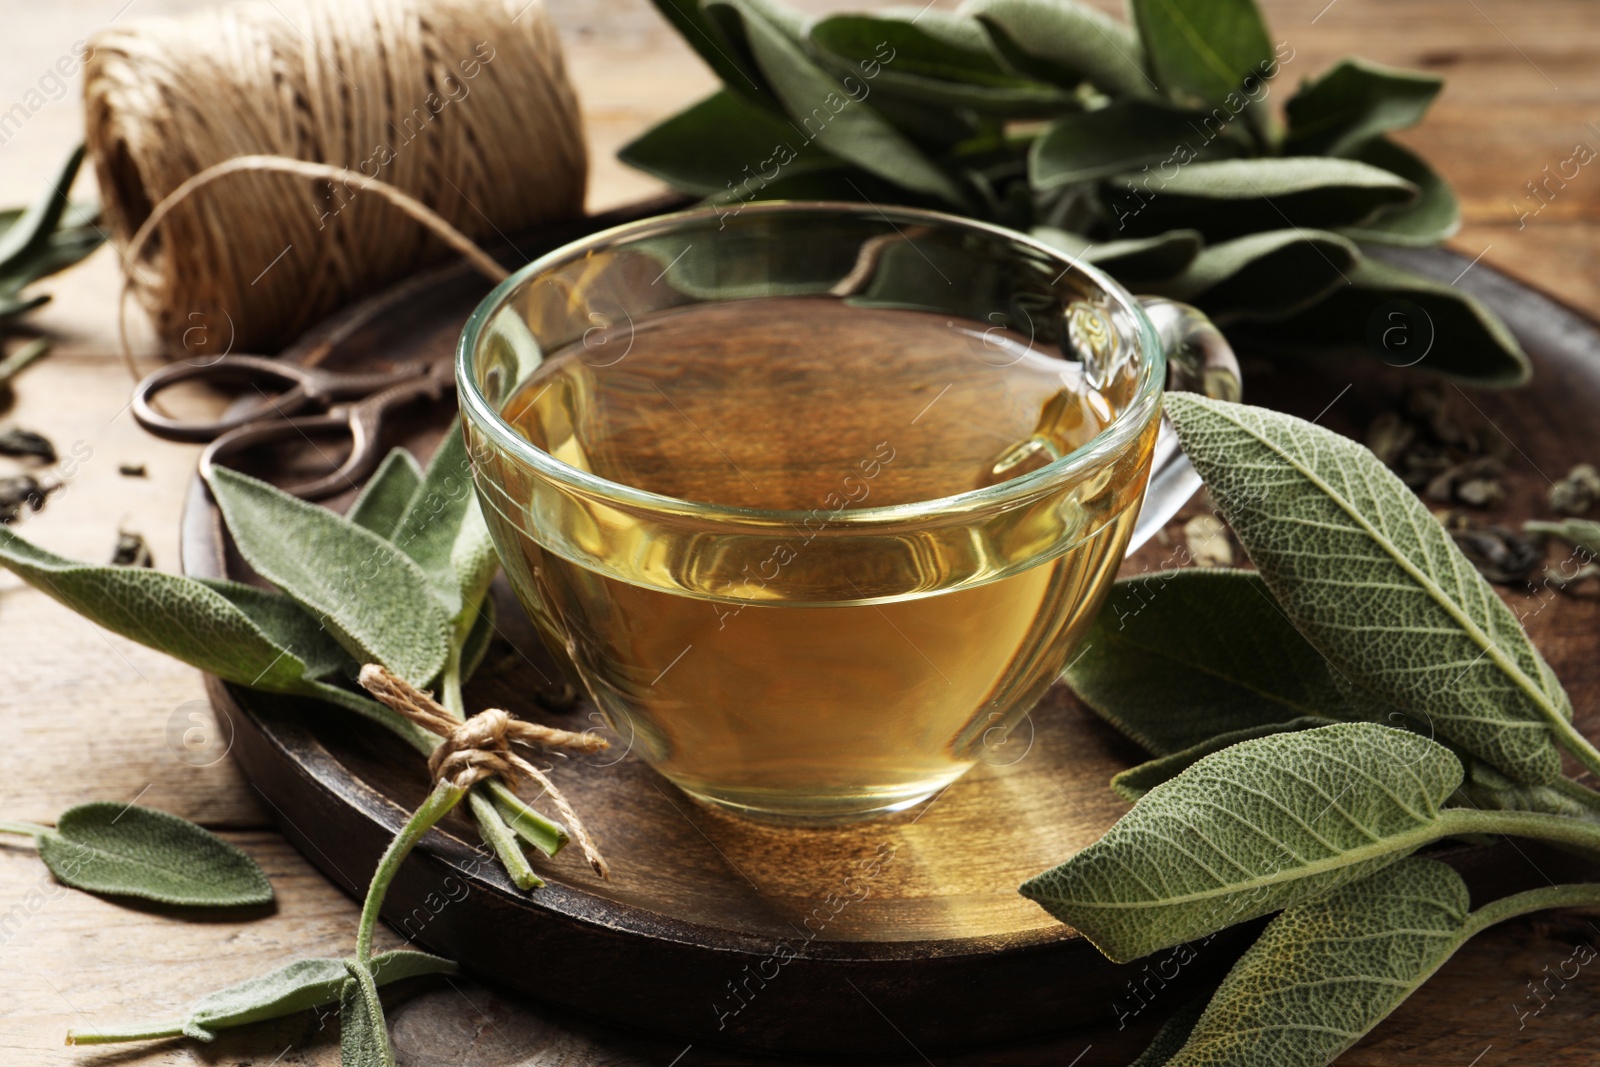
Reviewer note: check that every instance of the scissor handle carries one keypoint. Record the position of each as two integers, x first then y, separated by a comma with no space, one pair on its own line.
362,420
228,368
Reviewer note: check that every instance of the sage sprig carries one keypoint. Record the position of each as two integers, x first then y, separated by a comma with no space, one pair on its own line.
402,581
1049,116
123,850
1362,694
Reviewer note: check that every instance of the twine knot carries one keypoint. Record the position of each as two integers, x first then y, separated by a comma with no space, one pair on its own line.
480,747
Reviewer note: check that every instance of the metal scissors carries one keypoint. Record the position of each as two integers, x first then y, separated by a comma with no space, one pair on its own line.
354,401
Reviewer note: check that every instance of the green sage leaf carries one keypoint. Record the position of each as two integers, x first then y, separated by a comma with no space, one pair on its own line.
363,1032
1173,1033
1234,197
1140,259
32,229
1177,658
944,68
1353,102
124,850
240,634
1324,973
1065,42
374,599
1250,830
725,146
1206,51
1370,578
1121,137
383,500
1265,275
1135,782
1433,217
826,111
444,532
1404,319
707,38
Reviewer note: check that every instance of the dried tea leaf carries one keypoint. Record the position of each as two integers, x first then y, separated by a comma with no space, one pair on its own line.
124,850
131,551
1257,827
1375,583
374,599
20,442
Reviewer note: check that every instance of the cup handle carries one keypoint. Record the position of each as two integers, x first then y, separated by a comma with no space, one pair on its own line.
1199,360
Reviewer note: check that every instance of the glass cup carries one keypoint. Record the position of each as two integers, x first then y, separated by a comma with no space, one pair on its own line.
835,661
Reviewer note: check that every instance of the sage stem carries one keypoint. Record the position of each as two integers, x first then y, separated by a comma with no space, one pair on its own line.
444,797
31,829
148,1032
1532,900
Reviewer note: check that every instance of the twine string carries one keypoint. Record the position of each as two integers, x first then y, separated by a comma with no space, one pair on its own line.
480,747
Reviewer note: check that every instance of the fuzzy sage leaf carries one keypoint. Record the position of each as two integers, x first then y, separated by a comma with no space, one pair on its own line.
383,500
1354,101
1065,42
124,850
1250,830
375,600
1206,51
1371,579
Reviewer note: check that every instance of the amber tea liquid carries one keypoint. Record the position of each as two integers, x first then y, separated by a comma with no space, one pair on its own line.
823,703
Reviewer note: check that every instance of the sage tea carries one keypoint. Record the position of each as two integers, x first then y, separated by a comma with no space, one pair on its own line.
813,618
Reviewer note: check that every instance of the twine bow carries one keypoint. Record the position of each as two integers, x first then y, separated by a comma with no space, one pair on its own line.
480,747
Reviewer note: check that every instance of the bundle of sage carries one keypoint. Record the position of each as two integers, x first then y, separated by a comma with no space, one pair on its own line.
1360,695
1149,148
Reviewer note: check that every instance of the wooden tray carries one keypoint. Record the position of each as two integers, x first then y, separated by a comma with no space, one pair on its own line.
881,938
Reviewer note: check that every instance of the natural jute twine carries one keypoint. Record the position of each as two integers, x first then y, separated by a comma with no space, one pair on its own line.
480,747
462,104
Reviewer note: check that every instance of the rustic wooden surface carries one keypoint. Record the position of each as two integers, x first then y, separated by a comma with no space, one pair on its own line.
88,716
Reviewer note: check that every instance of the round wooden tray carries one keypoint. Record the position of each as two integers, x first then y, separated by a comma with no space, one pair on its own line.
873,939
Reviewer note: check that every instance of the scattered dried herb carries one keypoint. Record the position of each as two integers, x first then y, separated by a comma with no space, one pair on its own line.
19,491
1501,555
20,442
1448,460
131,470
1576,493
131,551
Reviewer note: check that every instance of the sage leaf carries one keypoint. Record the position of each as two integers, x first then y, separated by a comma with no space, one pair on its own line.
1433,217
1206,51
124,850
825,109
1404,319
374,599
1177,658
725,145
1488,790
61,250
1173,1033
1123,136
242,635
295,987
1265,275
1136,781
1371,579
1065,42
383,500
943,69
1140,259
1234,197
363,1033
1251,830
32,229
444,532
1354,101
707,38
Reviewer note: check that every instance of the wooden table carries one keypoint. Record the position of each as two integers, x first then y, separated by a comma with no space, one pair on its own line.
84,715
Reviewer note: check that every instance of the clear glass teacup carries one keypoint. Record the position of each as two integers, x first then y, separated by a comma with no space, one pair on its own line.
814,498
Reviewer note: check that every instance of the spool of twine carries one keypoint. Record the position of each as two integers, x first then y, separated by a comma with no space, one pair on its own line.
464,105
